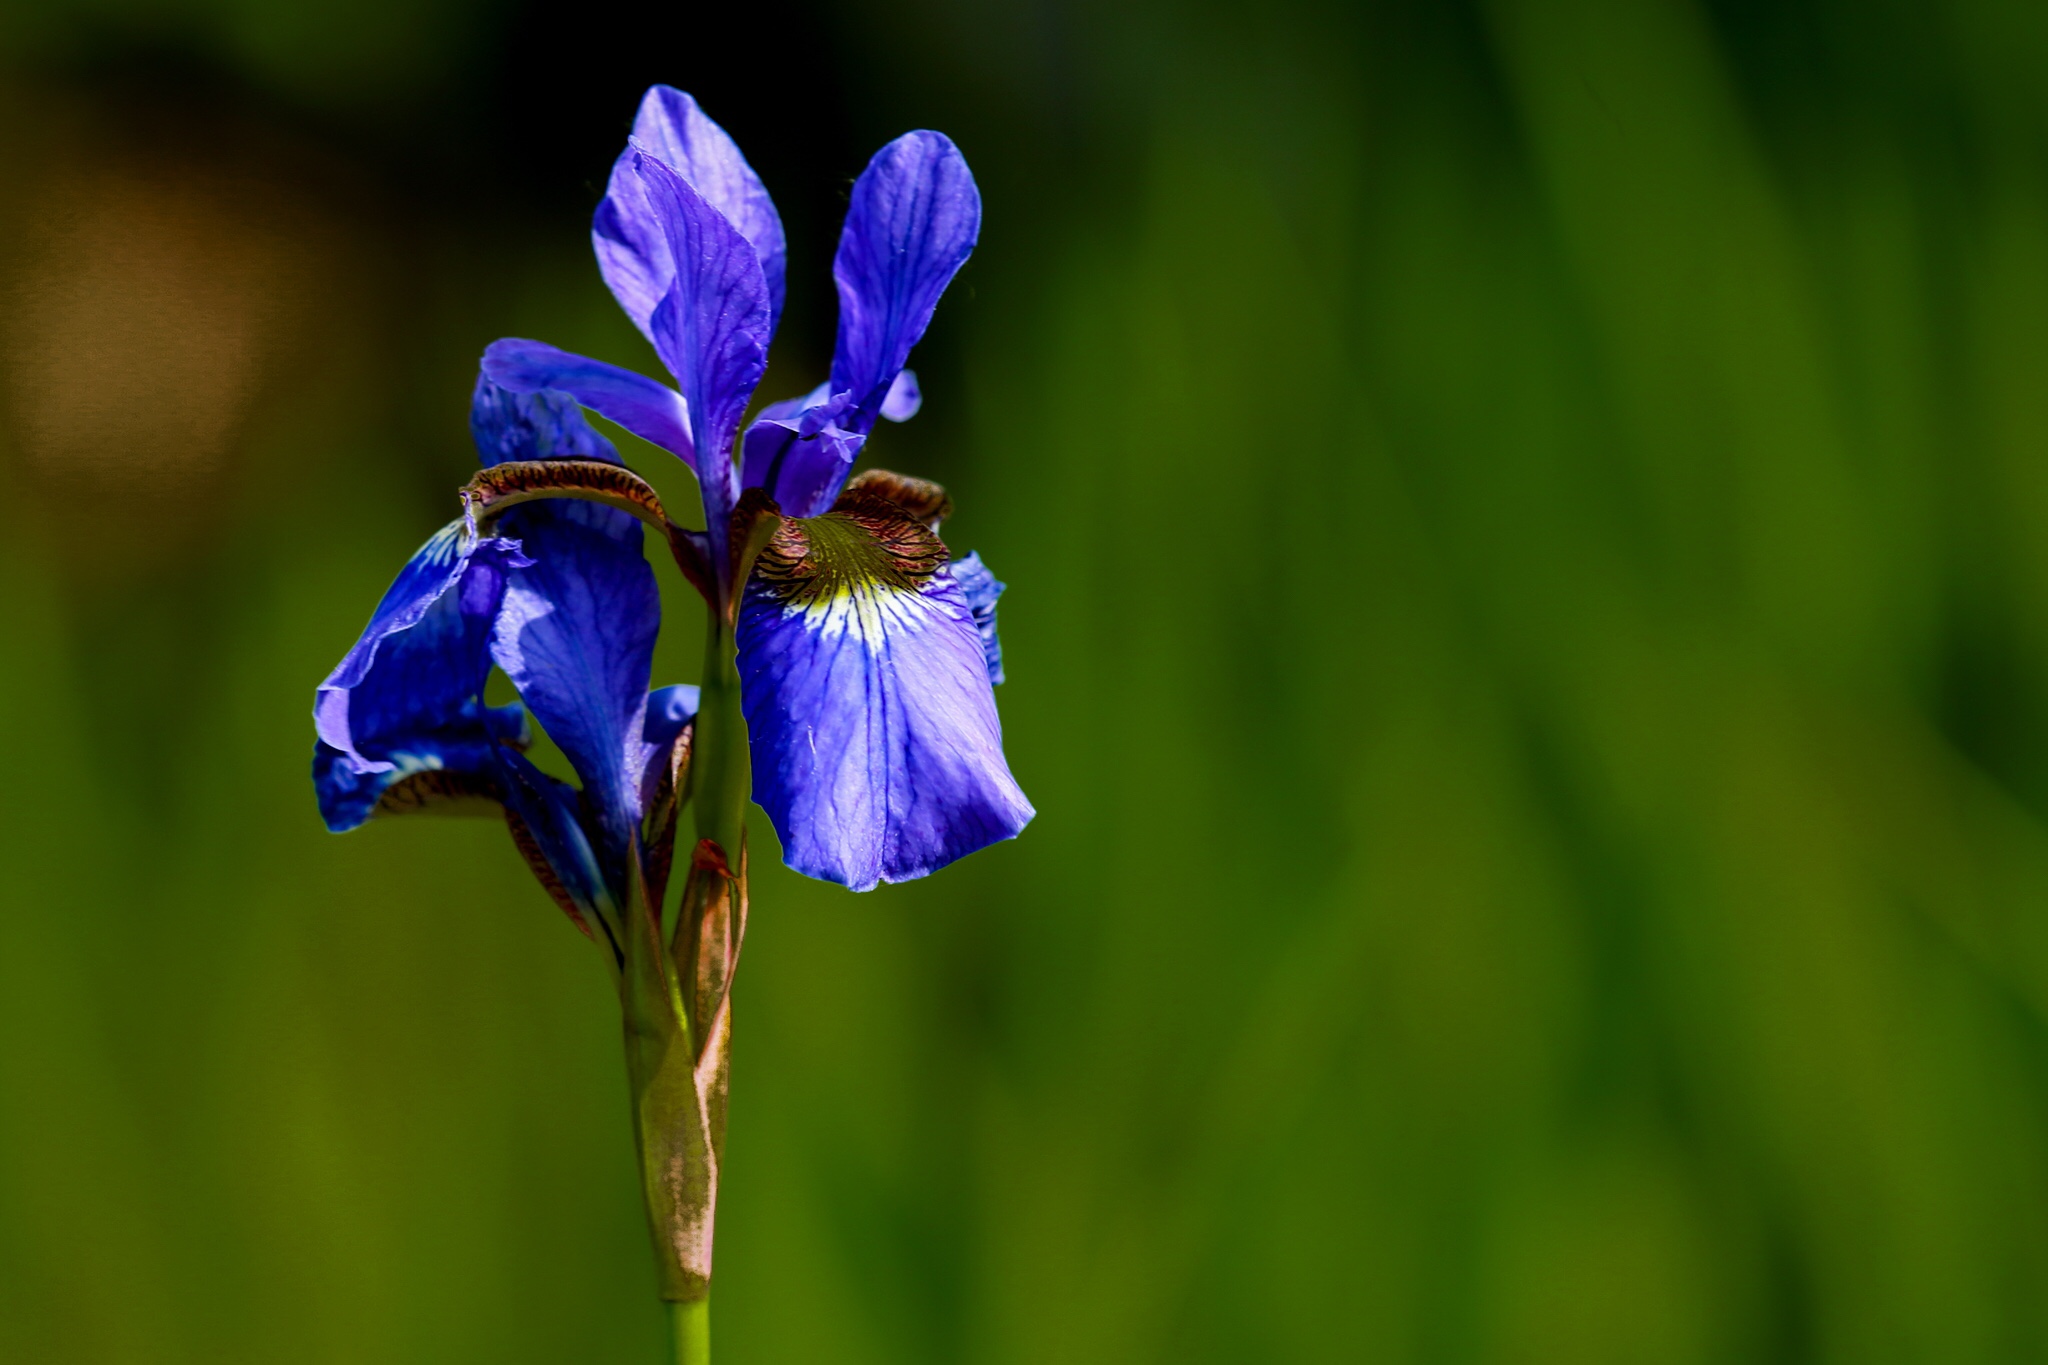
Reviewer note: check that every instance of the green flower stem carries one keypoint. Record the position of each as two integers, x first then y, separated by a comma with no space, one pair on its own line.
719,779
689,1328
677,1024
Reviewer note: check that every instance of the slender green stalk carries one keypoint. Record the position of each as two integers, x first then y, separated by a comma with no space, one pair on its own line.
676,1011
689,1330
719,780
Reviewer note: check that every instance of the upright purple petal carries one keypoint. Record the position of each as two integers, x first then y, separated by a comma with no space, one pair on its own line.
631,242
877,751
408,696
546,424
711,330
912,224
576,636
654,412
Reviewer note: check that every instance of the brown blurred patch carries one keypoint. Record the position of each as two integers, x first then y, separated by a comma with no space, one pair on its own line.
147,299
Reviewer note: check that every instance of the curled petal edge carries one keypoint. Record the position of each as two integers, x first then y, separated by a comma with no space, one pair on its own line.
498,489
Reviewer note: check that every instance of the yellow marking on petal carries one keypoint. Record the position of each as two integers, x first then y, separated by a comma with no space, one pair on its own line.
869,611
853,573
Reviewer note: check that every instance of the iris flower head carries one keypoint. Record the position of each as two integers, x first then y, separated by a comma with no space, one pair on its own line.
866,653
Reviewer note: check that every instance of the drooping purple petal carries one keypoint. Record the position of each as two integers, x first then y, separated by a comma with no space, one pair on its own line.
407,696
466,748
630,239
576,636
543,425
549,808
711,330
802,470
877,750
982,588
581,612
912,223
652,411
427,630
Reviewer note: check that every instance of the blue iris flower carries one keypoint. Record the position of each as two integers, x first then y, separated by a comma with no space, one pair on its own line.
560,596
866,653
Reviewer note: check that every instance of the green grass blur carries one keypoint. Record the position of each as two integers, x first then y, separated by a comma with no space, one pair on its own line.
1528,534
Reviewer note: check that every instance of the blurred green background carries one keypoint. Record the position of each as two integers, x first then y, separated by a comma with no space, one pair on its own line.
1528,533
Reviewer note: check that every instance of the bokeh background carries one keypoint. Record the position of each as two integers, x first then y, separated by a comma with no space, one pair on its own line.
1528,533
